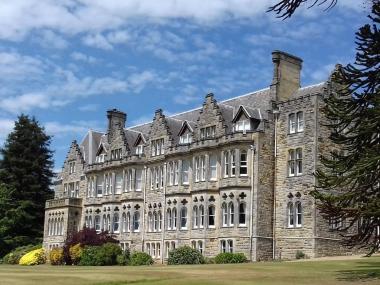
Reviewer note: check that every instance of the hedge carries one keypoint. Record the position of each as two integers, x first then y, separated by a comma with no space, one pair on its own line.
14,256
140,258
185,255
228,257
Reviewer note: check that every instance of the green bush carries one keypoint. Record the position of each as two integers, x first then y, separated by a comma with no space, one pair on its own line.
14,256
123,258
300,254
228,257
140,258
209,260
185,255
100,255
90,256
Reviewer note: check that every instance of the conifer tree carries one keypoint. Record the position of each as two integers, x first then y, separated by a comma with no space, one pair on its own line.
25,179
348,189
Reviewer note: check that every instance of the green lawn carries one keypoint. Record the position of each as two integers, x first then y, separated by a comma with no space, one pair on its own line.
361,271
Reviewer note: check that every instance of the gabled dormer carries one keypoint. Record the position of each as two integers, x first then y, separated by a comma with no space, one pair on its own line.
101,154
159,135
139,144
246,119
186,133
210,123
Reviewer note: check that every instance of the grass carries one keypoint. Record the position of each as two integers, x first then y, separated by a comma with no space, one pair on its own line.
359,271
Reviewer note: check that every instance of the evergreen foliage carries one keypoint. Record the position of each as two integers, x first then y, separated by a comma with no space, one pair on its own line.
229,257
348,188
349,181
140,258
25,179
185,255
106,254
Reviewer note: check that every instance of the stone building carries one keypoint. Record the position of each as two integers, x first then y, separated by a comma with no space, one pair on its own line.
230,176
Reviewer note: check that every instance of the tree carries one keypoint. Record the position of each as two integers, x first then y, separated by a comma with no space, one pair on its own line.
286,8
349,180
25,179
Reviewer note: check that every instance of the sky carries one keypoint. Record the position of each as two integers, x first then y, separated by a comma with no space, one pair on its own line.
68,61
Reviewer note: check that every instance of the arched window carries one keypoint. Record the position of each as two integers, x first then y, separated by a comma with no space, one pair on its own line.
148,248
223,247
200,246
158,247
242,215
90,222
49,227
290,215
104,223
109,223
153,250
211,216
202,216
116,223
174,218
224,215
173,245
230,245
183,218
86,222
195,217
159,217
155,220
61,227
298,209
231,213
128,225
136,221
55,227
169,218
124,222
167,249
193,244
97,223
150,222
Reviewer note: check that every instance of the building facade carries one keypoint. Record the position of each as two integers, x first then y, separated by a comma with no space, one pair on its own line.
230,176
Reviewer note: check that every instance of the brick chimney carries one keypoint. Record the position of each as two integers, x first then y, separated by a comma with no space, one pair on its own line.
286,74
116,119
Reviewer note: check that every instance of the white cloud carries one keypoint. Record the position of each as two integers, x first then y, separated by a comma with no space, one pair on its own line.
141,120
322,73
6,127
187,95
71,129
20,17
88,108
97,41
83,57
49,39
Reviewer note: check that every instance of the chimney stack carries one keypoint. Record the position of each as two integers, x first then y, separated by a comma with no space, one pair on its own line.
116,119
286,74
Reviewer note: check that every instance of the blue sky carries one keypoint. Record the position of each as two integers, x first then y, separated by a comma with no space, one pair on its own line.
67,61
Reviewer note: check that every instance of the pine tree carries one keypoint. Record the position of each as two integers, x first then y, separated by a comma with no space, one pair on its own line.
349,180
25,180
349,183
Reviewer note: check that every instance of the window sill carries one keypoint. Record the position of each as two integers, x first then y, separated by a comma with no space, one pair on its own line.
242,226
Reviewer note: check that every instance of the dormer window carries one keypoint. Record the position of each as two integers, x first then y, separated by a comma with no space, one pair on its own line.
100,158
208,132
185,138
243,125
157,147
116,154
71,167
140,149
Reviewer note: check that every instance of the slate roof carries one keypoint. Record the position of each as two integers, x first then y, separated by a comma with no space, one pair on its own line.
255,103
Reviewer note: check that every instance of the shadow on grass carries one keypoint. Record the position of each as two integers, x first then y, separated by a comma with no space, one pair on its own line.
365,271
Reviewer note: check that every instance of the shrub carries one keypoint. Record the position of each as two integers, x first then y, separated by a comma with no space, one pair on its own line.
86,237
185,255
229,257
123,258
56,256
209,260
300,254
33,257
75,252
90,256
14,256
140,258
100,255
